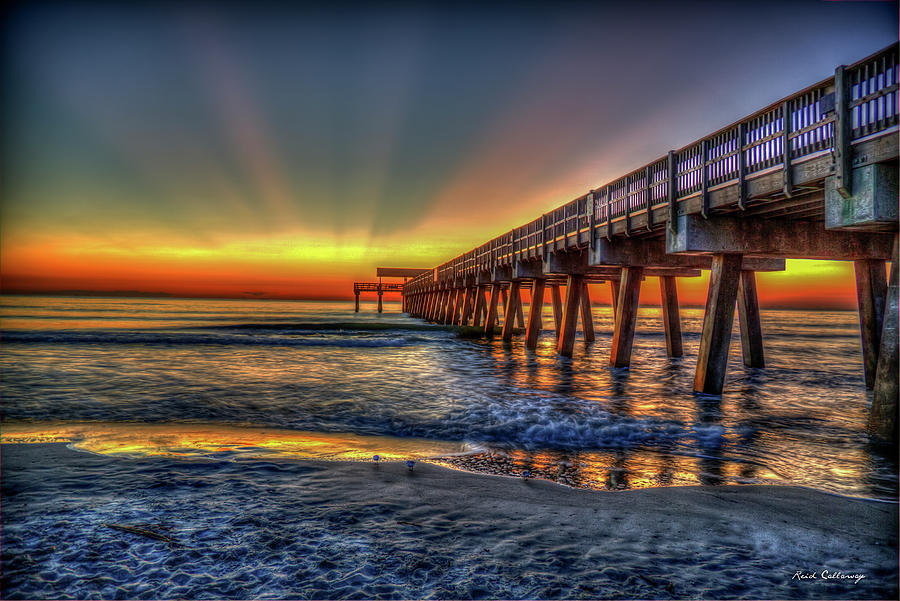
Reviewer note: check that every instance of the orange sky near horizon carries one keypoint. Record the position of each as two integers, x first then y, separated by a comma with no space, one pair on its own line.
804,284
247,151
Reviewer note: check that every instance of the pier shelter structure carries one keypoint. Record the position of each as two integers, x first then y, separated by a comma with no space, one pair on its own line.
381,287
813,175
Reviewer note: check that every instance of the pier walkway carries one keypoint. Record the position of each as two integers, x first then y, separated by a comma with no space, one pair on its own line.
813,175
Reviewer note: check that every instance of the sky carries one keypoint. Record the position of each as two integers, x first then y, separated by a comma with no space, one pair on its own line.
277,150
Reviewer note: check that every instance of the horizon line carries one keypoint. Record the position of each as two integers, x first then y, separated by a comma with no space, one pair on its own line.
169,296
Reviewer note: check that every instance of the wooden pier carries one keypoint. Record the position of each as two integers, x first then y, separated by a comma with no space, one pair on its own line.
382,287
813,175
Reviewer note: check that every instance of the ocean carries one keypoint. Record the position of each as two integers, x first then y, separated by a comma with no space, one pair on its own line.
239,379
188,417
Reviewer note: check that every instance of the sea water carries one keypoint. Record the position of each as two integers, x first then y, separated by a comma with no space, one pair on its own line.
275,379
190,415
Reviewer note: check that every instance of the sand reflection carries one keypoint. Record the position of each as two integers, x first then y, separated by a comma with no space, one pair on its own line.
615,469
222,441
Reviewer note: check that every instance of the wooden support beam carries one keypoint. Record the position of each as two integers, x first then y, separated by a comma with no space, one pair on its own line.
467,306
652,253
504,300
479,305
446,302
442,307
574,288
626,316
509,313
748,316
380,295
436,296
491,319
715,337
871,287
451,305
528,269
670,316
534,314
614,293
564,263
357,302
520,314
883,416
774,238
458,307
436,307
557,307
587,319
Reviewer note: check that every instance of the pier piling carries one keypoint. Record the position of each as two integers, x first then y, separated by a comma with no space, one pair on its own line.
670,315
871,288
712,358
587,319
574,288
557,307
513,301
883,417
614,293
626,316
491,319
534,313
748,315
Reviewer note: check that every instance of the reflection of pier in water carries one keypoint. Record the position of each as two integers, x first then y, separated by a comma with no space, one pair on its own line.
615,469
811,176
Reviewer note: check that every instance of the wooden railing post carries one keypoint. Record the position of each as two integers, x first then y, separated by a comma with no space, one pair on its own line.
788,176
843,173
742,168
673,193
704,178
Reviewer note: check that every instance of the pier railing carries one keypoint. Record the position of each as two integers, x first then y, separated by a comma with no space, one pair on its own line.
859,102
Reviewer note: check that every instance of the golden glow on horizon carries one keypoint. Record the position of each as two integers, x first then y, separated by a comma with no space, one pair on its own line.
315,265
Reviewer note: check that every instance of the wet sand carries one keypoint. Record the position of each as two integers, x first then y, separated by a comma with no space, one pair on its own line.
309,529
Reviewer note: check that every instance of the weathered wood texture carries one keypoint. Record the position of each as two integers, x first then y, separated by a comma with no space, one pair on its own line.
712,359
520,313
574,288
557,307
626,316
535,322
749,318
587,318
670,314
512,307
883,416
871,287
614,293
491,319
467,306
479,306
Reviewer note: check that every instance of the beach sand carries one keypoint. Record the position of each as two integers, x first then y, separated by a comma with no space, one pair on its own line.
321,530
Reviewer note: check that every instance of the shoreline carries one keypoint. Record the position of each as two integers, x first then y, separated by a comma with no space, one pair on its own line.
384,531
